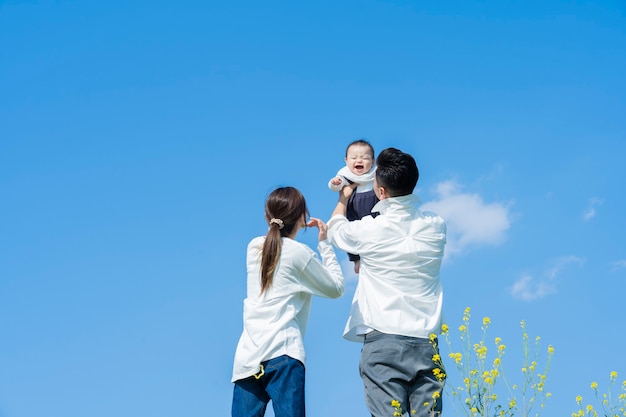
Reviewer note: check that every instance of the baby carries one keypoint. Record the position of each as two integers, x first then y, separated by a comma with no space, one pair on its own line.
359,170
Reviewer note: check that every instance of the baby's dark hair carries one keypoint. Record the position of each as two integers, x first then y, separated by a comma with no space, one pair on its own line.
284,209
362,142
397,172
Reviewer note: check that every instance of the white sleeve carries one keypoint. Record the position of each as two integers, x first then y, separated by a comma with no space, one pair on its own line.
334,187
341,233
324,278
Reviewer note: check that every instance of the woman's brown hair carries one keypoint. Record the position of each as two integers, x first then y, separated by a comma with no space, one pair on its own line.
284,209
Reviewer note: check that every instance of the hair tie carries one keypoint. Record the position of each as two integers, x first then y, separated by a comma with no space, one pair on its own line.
279,222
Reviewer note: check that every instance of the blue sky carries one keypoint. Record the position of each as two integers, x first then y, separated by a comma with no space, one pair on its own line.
138,141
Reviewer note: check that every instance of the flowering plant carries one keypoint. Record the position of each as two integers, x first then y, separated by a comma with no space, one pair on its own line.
485,389
611,406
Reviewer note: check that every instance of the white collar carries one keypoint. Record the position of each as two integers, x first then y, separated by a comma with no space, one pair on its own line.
359,179
383,205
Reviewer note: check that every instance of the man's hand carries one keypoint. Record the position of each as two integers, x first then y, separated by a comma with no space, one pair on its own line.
347,191
344,196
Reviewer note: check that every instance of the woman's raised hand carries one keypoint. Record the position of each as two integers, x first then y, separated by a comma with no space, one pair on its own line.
323,229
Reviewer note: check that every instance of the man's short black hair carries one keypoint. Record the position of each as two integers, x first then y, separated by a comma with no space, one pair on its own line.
397,172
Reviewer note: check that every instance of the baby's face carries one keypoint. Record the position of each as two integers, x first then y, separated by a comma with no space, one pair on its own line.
359,159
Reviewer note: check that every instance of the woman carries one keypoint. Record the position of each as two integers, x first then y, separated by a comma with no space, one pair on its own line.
283,275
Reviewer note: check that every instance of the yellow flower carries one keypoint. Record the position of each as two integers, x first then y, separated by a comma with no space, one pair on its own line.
481,351
395,403
433,336
594,385
613,376
579,399
456,356
426,404
444,328
479,381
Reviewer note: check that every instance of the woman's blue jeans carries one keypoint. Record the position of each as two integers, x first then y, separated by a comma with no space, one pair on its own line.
282,381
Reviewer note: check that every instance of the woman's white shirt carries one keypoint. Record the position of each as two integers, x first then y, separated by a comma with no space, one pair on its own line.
274,323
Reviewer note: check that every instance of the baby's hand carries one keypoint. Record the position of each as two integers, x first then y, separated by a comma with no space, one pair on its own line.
336,181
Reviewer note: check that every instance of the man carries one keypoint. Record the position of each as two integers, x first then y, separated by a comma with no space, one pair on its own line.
397,304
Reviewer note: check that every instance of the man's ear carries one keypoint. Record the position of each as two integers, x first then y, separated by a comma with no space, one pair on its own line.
382,192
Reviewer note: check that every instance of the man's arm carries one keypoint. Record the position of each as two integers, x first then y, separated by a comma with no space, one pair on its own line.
344,196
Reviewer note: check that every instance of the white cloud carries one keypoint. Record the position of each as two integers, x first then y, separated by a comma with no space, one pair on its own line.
617,265
590,213
528,288
561,263
470,221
